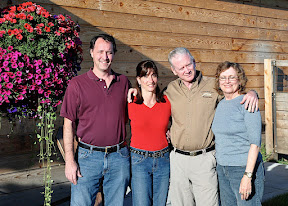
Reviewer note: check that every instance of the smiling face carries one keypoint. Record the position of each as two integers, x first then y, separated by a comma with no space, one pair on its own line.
148,83
229,83
184,67
102,55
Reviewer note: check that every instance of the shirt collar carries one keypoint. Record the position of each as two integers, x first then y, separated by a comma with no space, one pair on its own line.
195,81
91,75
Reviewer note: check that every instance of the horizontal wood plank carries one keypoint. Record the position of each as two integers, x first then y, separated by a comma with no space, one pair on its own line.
282,124
138,53
208,69
90,17
236,7
282,97
175,11
147,38
282,115
281,106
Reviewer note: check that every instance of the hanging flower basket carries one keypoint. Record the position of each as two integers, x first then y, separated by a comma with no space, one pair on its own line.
39,55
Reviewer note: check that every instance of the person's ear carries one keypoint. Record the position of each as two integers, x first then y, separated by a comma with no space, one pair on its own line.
173,70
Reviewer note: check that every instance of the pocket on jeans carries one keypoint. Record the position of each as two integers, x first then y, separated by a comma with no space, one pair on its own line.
82,153
124,152
136,158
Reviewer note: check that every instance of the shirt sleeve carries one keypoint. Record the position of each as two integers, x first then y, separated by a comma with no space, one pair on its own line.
253,124
69,108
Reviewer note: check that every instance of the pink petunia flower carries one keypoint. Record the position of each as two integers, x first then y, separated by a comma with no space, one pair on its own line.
18,80
30,76
20,97
40,91
10,48
14,65
32,87
5,63
9,85
21,64
19,73
38,82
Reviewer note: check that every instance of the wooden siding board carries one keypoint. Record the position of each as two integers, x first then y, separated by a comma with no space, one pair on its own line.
162,39
234,7
176,12
141,22
138,53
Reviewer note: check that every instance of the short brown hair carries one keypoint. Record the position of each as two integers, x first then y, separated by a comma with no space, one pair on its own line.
240,74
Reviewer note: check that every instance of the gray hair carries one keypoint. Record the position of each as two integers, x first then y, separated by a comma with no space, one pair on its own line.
177,51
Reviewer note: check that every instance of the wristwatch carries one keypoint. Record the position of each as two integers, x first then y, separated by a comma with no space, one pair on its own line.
248,174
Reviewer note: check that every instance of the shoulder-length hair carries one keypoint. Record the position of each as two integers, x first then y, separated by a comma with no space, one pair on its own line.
142,69
240,74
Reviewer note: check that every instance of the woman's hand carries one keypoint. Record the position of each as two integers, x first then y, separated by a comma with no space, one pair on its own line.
245,188
129,95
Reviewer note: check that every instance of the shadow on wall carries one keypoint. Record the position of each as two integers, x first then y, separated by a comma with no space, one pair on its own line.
23,137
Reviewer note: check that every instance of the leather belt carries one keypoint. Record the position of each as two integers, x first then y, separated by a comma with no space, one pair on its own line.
195,153
151,154
108,149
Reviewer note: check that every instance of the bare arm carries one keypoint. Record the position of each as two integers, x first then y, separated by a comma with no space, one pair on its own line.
245,188
71,168
251,101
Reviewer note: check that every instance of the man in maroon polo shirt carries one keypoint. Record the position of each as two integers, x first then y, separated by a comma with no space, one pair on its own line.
96,100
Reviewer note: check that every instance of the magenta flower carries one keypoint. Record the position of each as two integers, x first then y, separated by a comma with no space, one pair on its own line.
32,87
18,80
14,65
18,73
5,63
21,64
30,76
38,82
9,85
11,75
40,91
10,48
20,97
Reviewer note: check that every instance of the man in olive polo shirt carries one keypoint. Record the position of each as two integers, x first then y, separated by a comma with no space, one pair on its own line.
192,162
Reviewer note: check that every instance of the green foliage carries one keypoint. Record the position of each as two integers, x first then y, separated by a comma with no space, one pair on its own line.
265,156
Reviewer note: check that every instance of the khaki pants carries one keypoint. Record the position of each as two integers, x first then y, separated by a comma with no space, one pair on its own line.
193,180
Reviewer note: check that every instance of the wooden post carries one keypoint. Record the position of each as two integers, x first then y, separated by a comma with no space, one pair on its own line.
268,82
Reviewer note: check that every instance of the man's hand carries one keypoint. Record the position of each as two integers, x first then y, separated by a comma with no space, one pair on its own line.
251,101
129,95
168,136
72,172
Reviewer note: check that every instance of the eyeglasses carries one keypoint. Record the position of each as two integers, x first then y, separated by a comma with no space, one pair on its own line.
230,78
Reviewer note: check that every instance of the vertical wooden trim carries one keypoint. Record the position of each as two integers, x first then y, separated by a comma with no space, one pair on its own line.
268,82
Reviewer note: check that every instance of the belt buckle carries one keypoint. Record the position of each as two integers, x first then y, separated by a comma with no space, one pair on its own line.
192,153
106,149
157,154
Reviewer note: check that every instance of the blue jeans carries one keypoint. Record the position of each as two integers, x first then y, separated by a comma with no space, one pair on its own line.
150,179
114,167
229,182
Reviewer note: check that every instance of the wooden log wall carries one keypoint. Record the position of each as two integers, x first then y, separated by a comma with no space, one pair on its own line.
246,32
